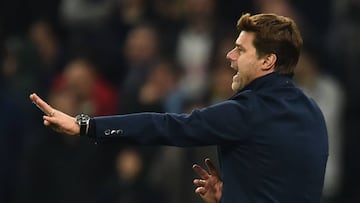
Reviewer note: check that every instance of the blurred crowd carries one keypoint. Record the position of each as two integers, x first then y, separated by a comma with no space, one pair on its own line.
104,57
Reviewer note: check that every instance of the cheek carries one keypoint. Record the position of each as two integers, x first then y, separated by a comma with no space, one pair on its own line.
243,65
243,60
247,63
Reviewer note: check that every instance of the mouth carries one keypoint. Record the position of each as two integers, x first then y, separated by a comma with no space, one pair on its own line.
235,71
235,77
233,66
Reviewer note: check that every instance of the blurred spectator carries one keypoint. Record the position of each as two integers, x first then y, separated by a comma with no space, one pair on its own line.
94,95
196,44
126,15
48,46
327,92
18,15
159,84
141,53
12,128
162,178
315,16
230,11
84,12
280,7
168,16
344,52
132,12
31,61
88,30
15,75
128,184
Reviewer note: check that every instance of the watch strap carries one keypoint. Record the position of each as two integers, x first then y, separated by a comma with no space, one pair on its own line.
83,130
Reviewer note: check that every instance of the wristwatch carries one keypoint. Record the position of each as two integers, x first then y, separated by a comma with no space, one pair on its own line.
83,121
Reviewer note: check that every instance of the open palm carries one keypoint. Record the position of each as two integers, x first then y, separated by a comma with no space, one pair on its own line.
210,185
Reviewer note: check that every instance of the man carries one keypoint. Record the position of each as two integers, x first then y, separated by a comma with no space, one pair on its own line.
271,138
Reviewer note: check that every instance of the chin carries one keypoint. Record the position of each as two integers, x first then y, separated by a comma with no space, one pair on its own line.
236,86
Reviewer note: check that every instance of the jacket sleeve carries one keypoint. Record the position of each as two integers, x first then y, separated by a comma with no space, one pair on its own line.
220,124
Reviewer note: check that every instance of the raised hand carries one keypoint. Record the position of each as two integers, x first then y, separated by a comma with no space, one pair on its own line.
210,185
55,119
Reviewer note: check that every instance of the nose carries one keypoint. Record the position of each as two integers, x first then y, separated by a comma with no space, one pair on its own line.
230,55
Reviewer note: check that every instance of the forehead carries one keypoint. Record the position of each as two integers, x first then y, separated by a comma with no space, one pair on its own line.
245,39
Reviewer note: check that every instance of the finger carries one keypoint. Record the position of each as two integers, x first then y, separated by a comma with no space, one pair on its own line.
211,167
47,123
48,120
52,123
201,172
200,183
41,104
200,190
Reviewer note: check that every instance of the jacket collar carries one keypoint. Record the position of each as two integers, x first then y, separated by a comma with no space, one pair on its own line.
269,80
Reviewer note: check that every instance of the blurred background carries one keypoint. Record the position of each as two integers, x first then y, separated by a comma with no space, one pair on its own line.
104,57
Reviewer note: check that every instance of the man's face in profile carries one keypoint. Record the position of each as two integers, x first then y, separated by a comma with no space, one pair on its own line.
244,60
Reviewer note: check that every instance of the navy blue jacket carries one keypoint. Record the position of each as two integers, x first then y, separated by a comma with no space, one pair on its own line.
271,138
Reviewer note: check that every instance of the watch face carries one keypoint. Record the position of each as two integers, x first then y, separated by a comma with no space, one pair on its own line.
82,119
85,118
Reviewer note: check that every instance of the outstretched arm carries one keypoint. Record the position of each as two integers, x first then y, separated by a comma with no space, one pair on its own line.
210,185
55,119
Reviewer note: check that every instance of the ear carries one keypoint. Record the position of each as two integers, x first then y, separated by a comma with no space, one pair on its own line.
269,62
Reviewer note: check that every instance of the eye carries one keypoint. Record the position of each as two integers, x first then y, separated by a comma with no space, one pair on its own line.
240,49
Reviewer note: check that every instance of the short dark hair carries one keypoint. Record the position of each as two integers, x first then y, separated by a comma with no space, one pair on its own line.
274,34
